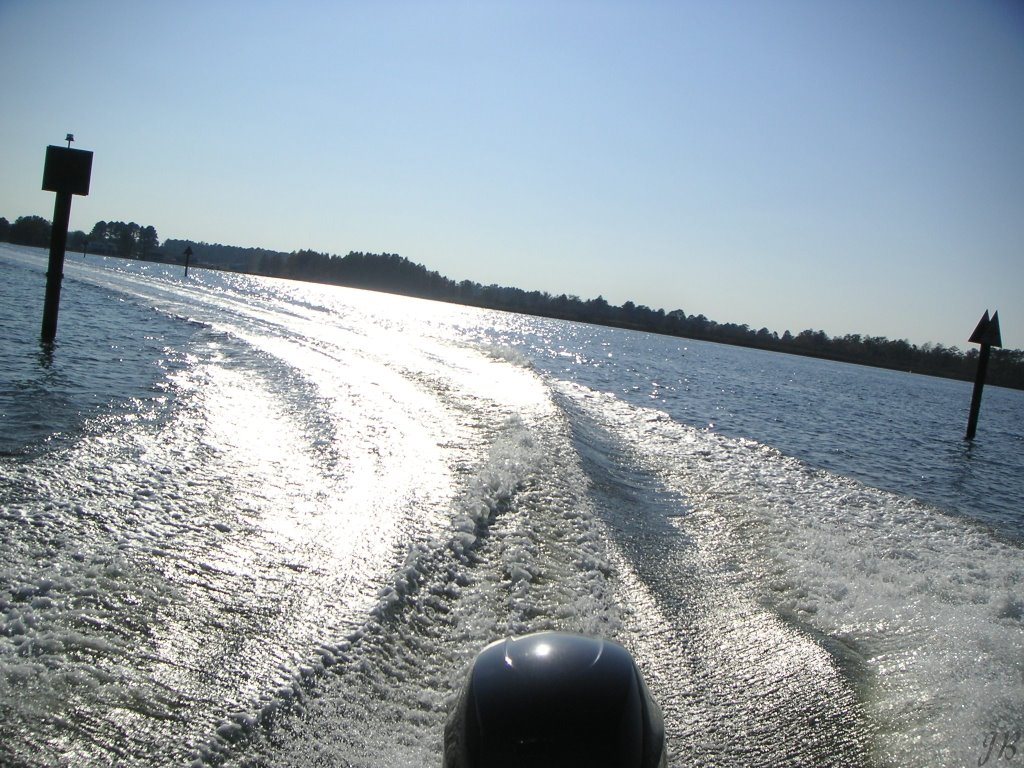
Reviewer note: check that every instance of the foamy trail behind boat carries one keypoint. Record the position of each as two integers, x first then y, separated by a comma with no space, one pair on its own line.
921,612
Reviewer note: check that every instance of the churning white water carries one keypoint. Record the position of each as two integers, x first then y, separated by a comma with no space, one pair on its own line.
251,522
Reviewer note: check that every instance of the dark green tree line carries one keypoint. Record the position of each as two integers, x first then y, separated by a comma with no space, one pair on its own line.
115,238
125,239
395,274
29,230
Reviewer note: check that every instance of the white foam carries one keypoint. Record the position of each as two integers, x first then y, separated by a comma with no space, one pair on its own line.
930,604
521,553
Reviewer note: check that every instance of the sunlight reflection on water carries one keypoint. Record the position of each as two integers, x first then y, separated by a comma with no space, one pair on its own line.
285,532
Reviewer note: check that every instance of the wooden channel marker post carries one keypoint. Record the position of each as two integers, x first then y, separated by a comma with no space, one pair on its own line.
67,172
987,334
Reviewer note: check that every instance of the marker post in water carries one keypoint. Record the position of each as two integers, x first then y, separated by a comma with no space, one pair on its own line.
988,336
67,172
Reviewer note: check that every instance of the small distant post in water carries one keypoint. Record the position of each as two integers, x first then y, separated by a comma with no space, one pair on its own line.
188,256
988,336
67,172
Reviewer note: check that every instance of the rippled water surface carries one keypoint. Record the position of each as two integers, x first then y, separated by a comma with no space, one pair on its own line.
252,522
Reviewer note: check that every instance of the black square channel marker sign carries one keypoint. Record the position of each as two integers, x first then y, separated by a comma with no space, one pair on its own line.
67,170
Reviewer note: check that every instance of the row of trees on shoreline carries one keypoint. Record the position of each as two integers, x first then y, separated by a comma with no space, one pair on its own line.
109,238
395,274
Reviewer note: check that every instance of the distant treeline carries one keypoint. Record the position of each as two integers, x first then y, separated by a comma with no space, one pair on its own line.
109,238
395,274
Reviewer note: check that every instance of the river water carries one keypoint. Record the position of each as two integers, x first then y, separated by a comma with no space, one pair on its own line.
251,522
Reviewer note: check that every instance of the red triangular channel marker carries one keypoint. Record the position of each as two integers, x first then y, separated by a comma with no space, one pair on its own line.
991,336
980,329
987,331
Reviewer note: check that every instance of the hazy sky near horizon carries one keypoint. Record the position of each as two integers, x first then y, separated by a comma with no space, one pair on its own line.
854,167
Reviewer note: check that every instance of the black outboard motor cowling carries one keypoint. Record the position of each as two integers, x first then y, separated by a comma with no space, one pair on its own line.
555,699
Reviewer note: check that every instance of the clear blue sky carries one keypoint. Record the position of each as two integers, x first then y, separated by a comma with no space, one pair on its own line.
854,166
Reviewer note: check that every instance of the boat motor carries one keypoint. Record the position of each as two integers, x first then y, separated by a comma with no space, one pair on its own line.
554,699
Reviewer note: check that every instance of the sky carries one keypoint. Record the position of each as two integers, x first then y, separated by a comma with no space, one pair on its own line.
848,166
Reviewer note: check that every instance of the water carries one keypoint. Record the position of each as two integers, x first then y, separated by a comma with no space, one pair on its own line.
251,522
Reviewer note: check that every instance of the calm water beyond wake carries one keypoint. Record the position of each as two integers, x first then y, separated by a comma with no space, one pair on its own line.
251,522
